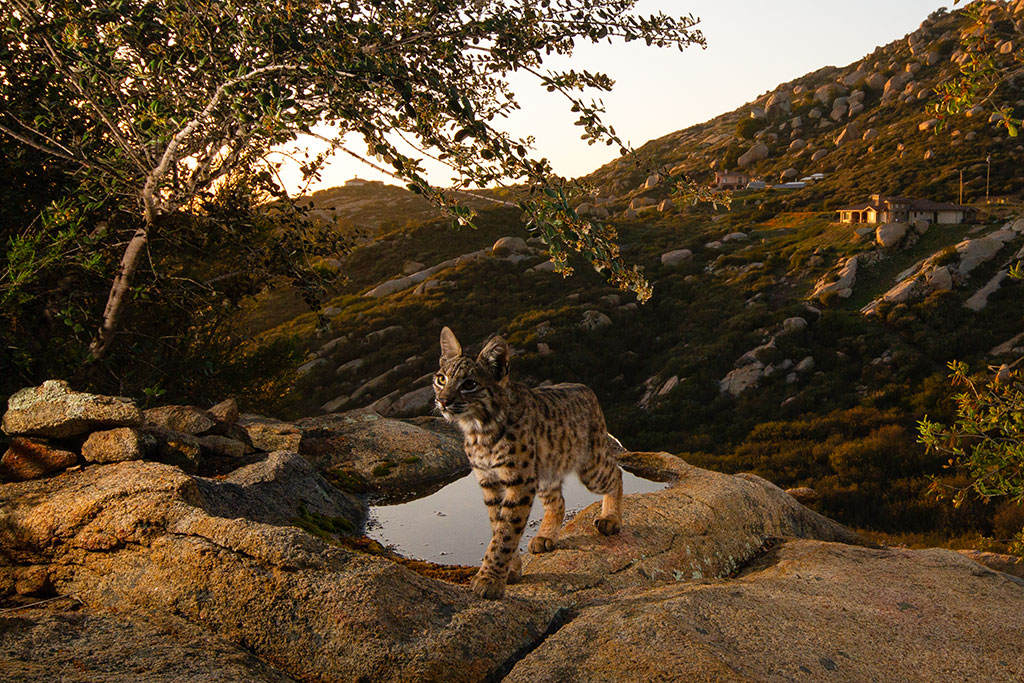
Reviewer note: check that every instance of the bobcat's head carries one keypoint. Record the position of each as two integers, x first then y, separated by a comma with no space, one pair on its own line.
464,388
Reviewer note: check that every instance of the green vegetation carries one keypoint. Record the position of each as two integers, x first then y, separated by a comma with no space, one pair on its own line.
143,133
322,526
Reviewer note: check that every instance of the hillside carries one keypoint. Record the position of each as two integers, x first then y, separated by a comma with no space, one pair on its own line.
754,353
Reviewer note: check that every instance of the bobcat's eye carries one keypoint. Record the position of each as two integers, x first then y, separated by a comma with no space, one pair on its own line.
469,385
440,380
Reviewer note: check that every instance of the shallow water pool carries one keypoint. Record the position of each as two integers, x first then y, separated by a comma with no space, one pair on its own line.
450,526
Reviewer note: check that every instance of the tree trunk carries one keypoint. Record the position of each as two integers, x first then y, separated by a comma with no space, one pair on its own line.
116,300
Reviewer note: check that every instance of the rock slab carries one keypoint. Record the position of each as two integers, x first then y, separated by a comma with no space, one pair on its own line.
54,410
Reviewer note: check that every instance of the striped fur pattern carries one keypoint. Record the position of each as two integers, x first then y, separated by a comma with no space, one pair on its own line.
521,443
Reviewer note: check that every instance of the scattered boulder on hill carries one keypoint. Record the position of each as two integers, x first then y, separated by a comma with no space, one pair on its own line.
841,283
739,380
778,105
757,152
850,133
889,235
676,257
595,320
975,252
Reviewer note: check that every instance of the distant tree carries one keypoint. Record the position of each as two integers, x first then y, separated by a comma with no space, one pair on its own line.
140,112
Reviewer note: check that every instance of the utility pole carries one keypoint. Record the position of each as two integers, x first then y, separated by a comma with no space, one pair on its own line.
988,174
961,187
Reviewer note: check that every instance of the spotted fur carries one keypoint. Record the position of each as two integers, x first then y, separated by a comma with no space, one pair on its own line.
521,443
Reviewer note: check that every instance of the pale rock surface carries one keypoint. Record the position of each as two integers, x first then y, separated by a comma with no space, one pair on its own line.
979,300
889,235
742,378
641,202
795,324
757,152
413,402
975,252
676,257
54,410
410,267
846,277
595,320
226,412
940,279
850,133
510,245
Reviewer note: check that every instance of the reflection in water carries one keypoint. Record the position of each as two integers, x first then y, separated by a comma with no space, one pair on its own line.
450,526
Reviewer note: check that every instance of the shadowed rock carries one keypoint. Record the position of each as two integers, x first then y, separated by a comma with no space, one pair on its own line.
395,459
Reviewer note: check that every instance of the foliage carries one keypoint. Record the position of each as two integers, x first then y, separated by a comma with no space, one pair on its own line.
986,440
748,127
981,74
150,106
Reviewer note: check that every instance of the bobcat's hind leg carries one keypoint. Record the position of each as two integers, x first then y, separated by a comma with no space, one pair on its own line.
602,475
551,525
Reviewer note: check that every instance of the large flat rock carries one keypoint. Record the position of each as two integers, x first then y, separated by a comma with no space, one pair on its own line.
69,643
705,525
809,611
145,537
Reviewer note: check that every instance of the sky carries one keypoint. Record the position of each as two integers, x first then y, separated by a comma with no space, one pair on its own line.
753,46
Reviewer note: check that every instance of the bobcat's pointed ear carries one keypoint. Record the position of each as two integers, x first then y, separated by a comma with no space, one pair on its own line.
495,356
450,347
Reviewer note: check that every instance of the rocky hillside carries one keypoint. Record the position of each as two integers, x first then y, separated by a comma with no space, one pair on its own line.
864,126
778,340
118,565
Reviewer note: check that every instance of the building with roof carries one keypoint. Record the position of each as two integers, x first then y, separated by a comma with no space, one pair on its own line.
731,180
882,209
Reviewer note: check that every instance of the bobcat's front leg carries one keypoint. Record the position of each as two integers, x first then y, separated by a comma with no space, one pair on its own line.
508,498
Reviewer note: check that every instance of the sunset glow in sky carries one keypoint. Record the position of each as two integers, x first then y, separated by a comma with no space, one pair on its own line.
752,47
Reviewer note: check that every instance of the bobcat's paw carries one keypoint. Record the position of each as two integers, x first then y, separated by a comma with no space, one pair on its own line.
609,526
541,544
487,587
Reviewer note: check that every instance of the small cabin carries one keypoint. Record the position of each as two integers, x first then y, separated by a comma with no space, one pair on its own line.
731,180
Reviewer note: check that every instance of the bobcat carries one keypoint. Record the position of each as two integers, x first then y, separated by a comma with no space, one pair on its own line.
522,442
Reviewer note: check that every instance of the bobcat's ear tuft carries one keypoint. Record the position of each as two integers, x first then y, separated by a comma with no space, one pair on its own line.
450,347
495,356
